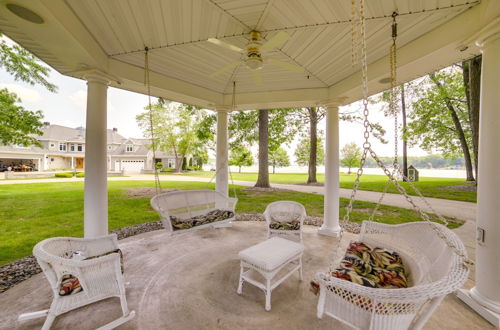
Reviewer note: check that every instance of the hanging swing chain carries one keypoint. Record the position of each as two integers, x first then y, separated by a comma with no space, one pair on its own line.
151,125
367,148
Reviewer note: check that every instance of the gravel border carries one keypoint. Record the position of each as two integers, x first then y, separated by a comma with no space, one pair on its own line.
22,269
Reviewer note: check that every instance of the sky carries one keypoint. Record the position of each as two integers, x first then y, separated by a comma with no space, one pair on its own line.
67,107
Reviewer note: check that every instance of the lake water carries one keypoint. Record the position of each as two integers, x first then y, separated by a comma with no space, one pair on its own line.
435,173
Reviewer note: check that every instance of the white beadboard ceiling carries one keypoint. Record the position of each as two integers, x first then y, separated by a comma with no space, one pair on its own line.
176,31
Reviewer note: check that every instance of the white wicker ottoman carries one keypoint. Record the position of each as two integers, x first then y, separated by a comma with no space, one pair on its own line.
275,259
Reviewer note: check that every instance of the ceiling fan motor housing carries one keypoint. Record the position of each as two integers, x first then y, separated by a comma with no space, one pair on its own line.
254,57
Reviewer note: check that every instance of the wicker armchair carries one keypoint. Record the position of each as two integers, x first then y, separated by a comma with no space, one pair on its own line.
285,219
97,268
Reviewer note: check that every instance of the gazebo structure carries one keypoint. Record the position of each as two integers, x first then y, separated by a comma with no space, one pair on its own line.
103,42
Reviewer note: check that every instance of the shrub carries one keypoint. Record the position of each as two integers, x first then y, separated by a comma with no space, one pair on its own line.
64,175
80,174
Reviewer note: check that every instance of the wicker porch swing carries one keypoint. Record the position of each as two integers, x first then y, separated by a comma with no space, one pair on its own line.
187,210
393,276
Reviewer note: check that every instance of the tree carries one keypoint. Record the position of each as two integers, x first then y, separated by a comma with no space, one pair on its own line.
263,176
17,124
303,151
175,128
240,156
472,83
350,156
23,65
279,158
440,117
276,127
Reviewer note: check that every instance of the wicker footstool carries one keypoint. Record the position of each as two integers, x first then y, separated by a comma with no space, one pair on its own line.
275,259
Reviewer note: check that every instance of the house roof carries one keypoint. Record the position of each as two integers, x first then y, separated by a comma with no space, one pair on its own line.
77,135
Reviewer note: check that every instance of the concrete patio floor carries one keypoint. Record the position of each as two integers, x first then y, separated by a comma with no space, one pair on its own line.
189,281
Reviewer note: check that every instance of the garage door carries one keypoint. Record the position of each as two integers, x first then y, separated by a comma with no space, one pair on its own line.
132,166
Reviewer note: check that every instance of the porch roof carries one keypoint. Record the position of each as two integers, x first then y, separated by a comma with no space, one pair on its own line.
110,36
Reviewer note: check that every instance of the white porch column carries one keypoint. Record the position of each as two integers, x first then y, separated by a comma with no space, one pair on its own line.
96,185
331,225
222,160
484,298
39,164
73,163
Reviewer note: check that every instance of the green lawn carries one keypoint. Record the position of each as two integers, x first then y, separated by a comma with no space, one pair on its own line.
430,187
32,212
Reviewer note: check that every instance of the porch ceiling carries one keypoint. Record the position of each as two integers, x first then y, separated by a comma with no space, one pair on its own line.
110,35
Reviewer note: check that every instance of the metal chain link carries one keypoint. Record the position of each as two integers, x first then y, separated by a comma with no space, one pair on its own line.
368,149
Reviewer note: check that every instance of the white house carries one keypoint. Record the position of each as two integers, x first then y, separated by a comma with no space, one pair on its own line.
64,148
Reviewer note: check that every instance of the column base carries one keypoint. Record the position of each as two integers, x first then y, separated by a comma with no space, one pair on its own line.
477,302
332,232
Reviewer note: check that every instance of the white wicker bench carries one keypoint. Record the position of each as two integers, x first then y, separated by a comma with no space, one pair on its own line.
184,205
275,259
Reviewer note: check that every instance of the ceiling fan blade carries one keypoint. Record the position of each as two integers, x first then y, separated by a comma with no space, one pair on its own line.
225,45
257,77
286,65
278,40
225,68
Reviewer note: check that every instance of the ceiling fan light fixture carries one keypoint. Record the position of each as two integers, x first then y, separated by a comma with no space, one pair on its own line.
254,63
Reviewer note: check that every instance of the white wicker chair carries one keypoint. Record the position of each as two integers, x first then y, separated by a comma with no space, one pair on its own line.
285,212
100,277
186,204
434,269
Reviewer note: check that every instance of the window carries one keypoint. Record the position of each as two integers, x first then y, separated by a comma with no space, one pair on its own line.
62,146
129,148
71,147
80,147
170,163
109,147
52,145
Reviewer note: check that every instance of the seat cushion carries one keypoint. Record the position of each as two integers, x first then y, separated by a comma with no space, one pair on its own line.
272,253
212,216
70,284
372,267
292,225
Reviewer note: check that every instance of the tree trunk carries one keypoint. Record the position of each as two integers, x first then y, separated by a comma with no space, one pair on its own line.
349,170
263,179
313,142
472,83
274,169
458,127
239,171
405,148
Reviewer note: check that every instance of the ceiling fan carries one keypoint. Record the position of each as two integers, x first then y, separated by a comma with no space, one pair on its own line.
253,55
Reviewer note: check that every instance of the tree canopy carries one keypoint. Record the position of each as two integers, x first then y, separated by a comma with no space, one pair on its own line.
350,156
303,149
17,124
279,158
240,156
175,128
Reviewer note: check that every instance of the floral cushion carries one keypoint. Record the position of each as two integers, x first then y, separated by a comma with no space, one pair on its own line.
212,216
70,284
293,225
372,267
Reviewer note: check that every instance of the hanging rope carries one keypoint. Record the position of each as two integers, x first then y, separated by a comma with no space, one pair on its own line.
151,123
